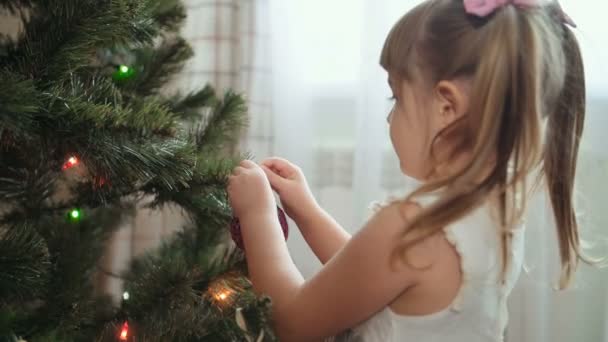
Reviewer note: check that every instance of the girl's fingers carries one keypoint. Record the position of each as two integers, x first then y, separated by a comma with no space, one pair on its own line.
276,181
247,164
280,166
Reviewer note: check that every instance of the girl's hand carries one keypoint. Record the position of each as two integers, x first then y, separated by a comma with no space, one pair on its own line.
249,191
288,181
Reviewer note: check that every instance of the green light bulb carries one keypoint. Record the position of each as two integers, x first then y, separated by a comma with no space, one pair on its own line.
75,214
123,72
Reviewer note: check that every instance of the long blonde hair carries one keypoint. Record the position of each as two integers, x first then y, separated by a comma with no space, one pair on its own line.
526,70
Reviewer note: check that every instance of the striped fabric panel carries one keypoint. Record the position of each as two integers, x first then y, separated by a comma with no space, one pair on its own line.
231,41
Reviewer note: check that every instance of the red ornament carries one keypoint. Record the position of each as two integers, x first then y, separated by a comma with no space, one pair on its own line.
70,163
235,229
124,332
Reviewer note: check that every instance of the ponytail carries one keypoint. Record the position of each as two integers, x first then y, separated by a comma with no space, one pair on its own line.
564,130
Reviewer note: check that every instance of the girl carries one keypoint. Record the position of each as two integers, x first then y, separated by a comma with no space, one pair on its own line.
489,96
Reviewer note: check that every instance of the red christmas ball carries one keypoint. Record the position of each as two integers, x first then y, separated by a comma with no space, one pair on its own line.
235,229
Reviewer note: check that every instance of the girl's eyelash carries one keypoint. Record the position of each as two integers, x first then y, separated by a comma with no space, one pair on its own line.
392,98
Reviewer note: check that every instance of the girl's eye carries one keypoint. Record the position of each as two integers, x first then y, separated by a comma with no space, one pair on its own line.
392,98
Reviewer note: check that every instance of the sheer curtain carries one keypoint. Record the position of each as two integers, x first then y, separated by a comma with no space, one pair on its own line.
330,104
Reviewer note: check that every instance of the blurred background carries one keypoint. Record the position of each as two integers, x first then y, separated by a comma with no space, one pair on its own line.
318,97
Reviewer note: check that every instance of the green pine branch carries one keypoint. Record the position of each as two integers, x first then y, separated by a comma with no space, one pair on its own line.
24,263
157,66
168,297
189,108
168,14
172,173
163,300
90,86
125,162
221,128
19,104
25,187
68,305
141,119
209,172
63,35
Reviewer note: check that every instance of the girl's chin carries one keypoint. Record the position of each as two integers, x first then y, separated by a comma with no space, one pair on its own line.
414,177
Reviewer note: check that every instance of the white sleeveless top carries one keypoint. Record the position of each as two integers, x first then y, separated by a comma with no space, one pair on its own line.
479,312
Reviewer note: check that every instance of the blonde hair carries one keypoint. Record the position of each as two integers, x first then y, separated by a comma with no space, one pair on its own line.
526,68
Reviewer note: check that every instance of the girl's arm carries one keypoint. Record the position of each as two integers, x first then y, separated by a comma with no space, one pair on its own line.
356,283
323,234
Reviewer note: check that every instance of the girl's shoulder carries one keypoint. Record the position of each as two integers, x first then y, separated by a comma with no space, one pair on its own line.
423,254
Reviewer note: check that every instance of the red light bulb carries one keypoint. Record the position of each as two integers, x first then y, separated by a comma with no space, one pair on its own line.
124,332
70,163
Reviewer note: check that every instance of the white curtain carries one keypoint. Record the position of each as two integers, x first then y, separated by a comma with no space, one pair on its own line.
330,104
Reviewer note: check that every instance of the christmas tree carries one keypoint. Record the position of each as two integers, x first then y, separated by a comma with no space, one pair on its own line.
88,129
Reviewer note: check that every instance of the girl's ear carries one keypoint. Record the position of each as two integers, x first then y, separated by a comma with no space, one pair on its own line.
453,100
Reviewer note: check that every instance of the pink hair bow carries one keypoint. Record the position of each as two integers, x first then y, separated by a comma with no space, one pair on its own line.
483,8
